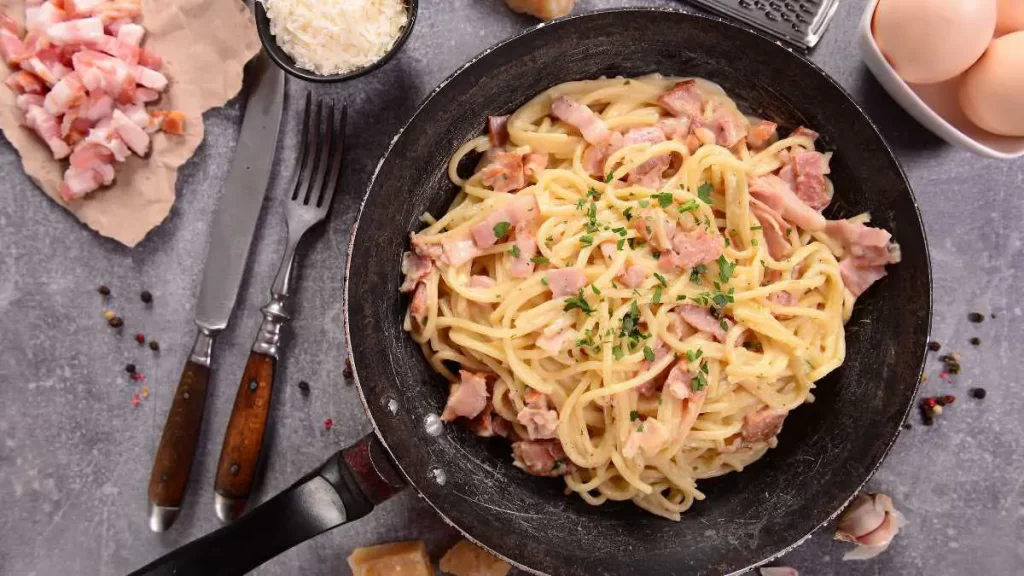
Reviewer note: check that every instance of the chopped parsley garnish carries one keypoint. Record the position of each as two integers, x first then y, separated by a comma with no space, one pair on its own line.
661,279
631,326
544,281
702,299
620,243
593,193
593,287
617,352
540,260
609,177
688,206
644,203
664,199
578,303
628,213
699,382
634,416
704,192
753,241
648,354
722,298
758,227
725,268
514,251
727,242
501,229
656,299
557,464
581,203
696,273
656,254
586,240
620,231
659,401
723,324
753,346
693,355
585,341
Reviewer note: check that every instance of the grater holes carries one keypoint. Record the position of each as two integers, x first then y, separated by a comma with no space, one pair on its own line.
804,8
797,27
746,4
771,16
800,18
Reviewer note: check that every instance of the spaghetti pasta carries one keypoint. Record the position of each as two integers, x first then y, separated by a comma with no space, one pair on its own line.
636,285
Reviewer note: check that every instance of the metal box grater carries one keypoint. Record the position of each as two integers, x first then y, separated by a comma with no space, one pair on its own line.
800,22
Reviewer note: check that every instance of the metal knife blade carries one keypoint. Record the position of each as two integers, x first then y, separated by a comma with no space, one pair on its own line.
227,253
246,185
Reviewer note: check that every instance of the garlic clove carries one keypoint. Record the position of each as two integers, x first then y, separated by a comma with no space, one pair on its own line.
779,571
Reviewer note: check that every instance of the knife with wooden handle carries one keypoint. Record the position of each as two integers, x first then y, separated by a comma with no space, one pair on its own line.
230,238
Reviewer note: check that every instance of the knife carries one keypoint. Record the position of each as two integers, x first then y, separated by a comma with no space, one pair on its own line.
226,255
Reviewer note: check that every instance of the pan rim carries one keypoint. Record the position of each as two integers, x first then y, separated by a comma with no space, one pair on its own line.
737,28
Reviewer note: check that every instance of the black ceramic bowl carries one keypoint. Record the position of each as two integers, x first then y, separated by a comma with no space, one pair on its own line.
282,59
827,450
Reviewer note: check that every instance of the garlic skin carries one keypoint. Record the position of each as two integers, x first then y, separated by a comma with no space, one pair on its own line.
871,522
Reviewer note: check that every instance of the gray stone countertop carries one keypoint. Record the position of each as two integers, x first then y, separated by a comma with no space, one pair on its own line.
75,454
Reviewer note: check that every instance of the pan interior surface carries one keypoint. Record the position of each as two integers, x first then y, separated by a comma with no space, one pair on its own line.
827,449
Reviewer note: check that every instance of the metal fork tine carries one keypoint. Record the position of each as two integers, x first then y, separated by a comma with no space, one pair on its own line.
323,156
337,153
302,145
318,147
313,152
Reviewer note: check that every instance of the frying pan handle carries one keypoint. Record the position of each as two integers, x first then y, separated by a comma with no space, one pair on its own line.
345,488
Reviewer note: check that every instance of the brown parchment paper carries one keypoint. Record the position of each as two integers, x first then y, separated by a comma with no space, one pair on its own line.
204,45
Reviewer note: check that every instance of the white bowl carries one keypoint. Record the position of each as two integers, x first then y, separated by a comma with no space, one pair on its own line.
934,105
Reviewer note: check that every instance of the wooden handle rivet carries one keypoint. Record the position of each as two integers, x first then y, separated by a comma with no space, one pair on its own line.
163,477
185,395
253,385
234,469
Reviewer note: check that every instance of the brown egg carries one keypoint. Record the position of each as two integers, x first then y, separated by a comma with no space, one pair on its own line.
992,91
929,41
1011,16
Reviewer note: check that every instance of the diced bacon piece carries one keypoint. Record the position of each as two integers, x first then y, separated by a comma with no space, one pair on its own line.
150,59
535,398
42,16
540,424
468,559
90,155
762,425
534,164
542,458
392,559
763,134
151,78
75,31
78,182
654,384
774,227
729,126
47,127
418,305
705,136
24,101
11,25
145,95
521,265
692,143
778,196
655,227
68,92
805,132
675,128
859,278
136,113
556,335
415,268
23,82
505,172
520,210
693,248
130,34
477,281
595,156
783,298
49,70
648,174
678,328
134,136
114,26
172,122
105,134
646,439
11,47
488,424
565,281
590,125
428,249
648,135
459,251
100,71
684,99
679,382
701,319
82,7
497,130
118,10
127,53
96,107
632,276
806,176
466,398
865,245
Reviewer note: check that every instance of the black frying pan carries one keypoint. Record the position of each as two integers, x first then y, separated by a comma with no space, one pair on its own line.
827,450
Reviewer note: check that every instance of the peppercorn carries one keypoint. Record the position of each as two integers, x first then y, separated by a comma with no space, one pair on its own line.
115,322
140,338
304,387
130,368
146,297
934,346
976,317
907,425
975,341
978,393
154,345
103,290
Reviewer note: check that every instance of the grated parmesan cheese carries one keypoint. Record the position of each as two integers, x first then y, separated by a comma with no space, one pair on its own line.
336,36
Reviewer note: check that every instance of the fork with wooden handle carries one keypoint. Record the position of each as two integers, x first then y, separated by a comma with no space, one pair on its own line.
323,136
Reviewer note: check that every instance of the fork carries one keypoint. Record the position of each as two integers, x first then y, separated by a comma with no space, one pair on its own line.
323,136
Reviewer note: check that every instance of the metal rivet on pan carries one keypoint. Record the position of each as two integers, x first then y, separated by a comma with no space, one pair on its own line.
393,406
439,476
433,425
